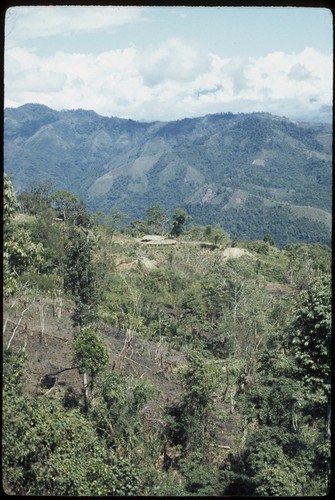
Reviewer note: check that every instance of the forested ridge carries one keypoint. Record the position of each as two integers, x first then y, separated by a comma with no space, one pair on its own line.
159,357
249,173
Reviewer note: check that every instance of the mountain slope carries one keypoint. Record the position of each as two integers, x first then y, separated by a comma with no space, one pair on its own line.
283,169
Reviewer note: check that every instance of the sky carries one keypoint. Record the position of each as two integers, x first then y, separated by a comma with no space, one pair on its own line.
168,63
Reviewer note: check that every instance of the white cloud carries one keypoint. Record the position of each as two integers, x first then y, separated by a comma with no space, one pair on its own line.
173,80
23,23
279,82
172,60
299,72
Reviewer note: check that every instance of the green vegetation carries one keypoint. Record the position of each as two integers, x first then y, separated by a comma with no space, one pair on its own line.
198,366
180,218
251,174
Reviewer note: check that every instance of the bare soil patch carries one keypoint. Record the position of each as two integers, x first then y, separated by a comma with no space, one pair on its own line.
155,239
48,339
235,253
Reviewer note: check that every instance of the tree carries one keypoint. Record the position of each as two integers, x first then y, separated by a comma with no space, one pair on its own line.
268,239
116,410
89,351
156,218
201,478
302,264
51,451
282,455
19,251
9,210
90,355
199,382
310,338
50,234
214,291
179,220
310,341
37,198
136,228
271,471
66,205
111,222
80,276
287,452
10,204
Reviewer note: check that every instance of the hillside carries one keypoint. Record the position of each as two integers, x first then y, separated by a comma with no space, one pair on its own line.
46,331
250,173
154,366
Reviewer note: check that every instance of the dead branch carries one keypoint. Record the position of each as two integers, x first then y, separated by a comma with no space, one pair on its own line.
42,322
5,325
49,390
139,364
60,371
17,326
124,349
56,337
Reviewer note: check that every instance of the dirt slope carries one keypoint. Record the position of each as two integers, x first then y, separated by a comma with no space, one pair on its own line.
45,329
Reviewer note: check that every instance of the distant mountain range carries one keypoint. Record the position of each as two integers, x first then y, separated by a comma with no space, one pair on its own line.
252,174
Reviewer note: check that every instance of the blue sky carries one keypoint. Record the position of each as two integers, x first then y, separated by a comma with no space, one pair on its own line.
165,63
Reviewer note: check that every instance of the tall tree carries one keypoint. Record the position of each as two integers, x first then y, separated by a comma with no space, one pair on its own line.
199,382
19,251
156,218
310,341
51,451
310,337
37,198
80,276
66,205
90,355
287,452
179,220
9,200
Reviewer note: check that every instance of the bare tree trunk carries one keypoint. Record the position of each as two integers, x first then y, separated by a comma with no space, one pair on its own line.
17,326
328,434
57,306
158,352
232,400
86,391
42,322
125,348
328,428
227,386
235,312
91,383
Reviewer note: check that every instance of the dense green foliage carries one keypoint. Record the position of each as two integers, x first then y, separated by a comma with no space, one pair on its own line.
310,337
89,351
79,276
9,200
251,174
19,251
48,450
179,220
234,394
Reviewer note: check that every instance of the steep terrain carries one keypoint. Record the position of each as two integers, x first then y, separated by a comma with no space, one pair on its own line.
41,322
250,173
188,345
